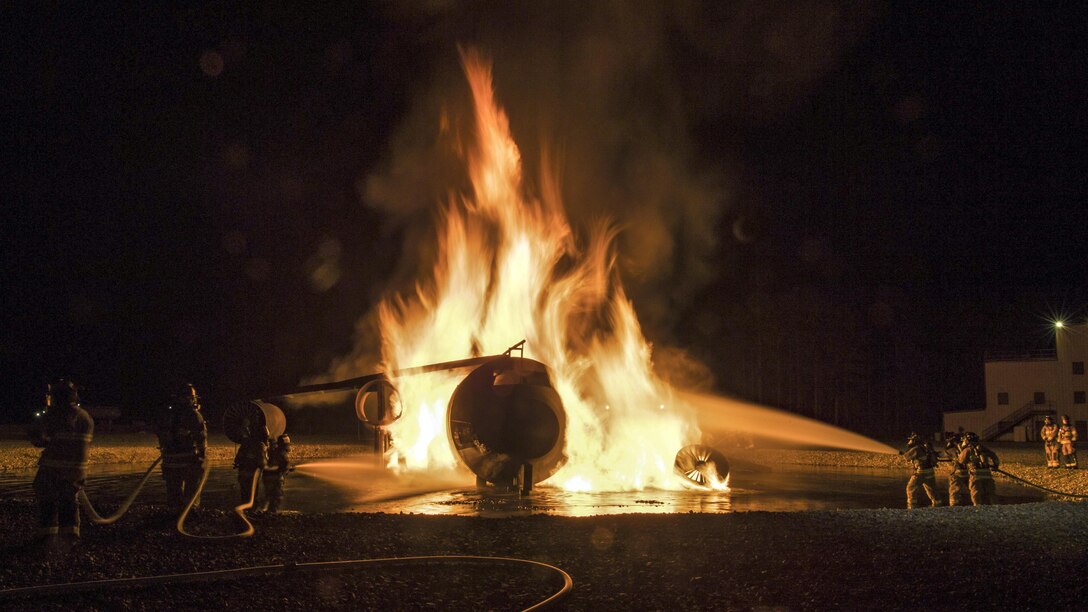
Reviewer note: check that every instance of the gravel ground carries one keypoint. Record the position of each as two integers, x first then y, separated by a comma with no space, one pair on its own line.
142,448
1029,556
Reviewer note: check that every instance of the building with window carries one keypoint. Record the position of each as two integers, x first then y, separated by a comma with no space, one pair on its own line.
1022,389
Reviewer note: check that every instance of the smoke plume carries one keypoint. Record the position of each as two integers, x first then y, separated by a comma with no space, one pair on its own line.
612,96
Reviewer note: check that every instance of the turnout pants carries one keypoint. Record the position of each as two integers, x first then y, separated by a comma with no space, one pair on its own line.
920,481
56,493
247,485
181,484
1051,447
1069,454
958,492
983,489
273,489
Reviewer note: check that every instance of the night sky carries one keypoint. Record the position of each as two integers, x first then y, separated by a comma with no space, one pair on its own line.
858,199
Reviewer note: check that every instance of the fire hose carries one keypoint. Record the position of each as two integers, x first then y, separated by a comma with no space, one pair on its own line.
97,519
1039,486
239,510
1027,482
256,571
288,569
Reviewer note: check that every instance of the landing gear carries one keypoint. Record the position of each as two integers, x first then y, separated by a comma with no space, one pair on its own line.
383,441
524,481
521,483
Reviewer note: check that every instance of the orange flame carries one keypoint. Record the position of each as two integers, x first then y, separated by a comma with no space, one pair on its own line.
509,268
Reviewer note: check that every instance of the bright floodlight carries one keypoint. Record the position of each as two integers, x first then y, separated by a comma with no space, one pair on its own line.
1059,323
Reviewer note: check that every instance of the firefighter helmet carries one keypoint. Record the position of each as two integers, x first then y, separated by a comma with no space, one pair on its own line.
1065,419
1048,420
190,396
914,439
971,438
64,393
284,440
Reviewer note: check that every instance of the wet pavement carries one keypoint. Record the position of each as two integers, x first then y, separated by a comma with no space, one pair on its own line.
339,485
786,490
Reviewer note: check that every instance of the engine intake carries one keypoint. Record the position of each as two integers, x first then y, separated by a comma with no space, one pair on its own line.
507,423
241,419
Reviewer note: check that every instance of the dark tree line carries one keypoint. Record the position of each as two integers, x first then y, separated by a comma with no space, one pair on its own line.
853,363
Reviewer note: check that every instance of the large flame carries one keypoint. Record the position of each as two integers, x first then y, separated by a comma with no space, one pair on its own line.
509,267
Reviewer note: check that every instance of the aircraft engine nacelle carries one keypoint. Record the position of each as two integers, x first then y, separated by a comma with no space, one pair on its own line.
506,422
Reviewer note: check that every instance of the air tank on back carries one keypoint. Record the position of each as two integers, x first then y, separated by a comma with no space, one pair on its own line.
506,422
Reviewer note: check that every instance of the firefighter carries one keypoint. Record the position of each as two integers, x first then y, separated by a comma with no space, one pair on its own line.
252,457
64,432
921,455
1049,434
279,463
1067,437
980,460
958,492
183,440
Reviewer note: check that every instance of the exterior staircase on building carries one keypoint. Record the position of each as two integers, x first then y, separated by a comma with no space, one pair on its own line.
1025,412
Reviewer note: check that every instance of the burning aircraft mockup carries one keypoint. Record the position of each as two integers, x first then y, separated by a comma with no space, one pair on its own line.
581,406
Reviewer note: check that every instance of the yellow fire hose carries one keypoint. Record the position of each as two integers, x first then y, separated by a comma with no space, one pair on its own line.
262,570
1039,486
238,510
97,519
1029,483
287,568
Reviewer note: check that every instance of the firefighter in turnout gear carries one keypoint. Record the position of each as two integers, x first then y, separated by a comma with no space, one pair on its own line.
1067,437
252,456
279,463
1049,433
64,432
183,441
958,492
925,461
980,460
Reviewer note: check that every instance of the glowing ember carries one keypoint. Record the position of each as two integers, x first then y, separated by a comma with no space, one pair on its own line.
509,267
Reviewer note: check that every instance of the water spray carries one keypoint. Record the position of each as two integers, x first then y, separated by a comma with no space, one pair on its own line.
729,414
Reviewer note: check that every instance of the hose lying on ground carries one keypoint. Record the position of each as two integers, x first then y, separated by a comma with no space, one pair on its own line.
266,570
238,510
1038,486
97,519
